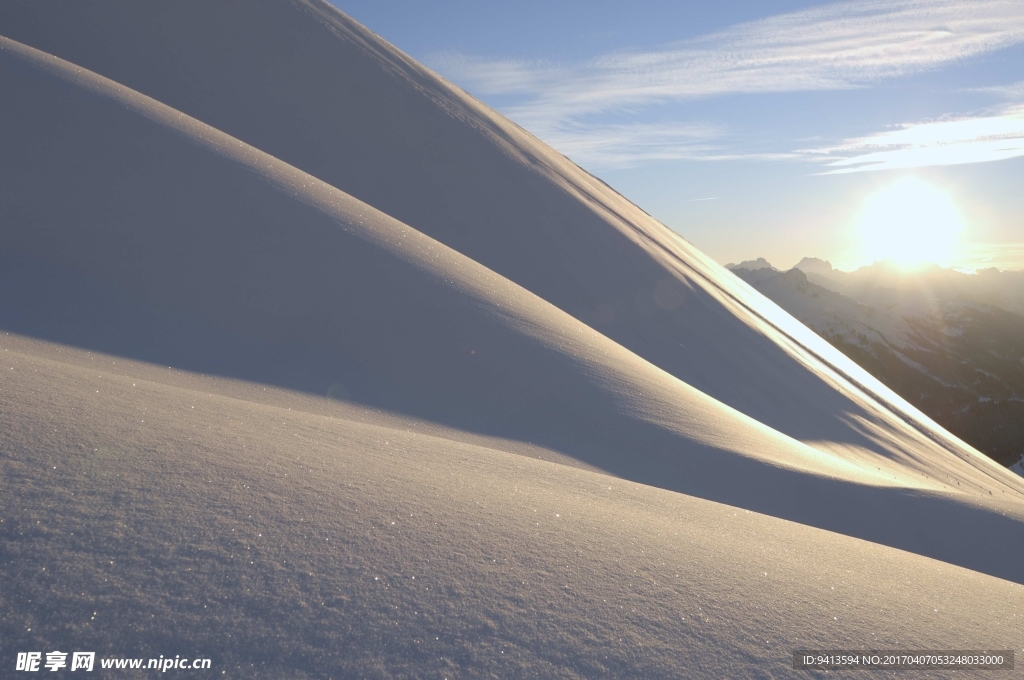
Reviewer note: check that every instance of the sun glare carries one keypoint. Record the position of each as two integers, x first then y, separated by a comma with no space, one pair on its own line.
910,222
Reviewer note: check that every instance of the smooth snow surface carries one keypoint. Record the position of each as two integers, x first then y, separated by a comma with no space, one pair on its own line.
309,86
267,193
283,535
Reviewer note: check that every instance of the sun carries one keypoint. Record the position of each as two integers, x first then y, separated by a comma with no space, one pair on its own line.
910,222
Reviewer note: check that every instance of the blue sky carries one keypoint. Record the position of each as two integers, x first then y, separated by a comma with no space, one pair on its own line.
757,128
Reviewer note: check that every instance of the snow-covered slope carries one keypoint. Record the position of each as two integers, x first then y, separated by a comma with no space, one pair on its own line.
302,82
172,242
151,512
257,515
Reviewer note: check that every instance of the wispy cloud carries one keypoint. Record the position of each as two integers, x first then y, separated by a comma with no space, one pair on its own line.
501,76
838,46
1013,91
944,142
623,145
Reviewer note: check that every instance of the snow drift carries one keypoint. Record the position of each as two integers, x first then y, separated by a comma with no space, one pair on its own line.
325,216
309,86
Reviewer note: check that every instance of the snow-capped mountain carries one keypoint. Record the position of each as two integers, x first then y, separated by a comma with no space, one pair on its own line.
884,282
959,360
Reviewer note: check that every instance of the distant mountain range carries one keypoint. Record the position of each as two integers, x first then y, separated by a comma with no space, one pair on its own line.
950,343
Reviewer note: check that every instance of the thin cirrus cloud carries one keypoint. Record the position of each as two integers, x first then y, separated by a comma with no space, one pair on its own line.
622,145
1013,91
944,142
838,46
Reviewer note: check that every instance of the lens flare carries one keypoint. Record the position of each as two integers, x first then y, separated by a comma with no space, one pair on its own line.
910,222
